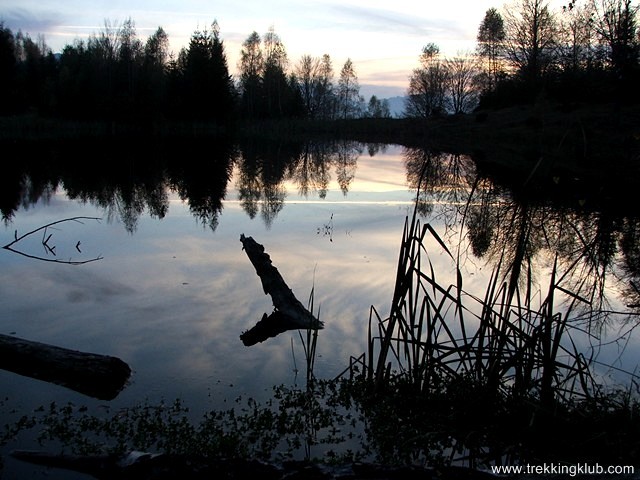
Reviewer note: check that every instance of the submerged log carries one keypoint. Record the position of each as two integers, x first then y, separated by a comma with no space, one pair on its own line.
289,313
98,376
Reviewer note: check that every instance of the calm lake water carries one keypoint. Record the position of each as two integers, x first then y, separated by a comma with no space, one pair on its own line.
173,289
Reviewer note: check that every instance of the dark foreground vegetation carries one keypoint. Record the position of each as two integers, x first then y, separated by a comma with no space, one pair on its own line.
451,384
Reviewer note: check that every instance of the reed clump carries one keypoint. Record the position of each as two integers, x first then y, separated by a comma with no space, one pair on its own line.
486,379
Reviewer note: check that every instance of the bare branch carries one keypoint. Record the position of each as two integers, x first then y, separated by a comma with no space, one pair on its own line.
45,243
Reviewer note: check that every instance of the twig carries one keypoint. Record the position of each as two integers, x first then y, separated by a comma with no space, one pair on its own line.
45,243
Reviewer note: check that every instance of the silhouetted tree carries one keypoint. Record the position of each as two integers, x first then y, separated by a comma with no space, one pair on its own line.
88,75
577,48
103,52
617,26
251,68
274,78
327,101
378,108
308,75
113,75
491,37
76,80
314,76
532,38
209,87
31,76
462,83
426,95
348,93
128,64
8,68
156,49
155,72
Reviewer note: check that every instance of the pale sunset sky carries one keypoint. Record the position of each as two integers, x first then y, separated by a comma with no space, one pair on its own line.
383,38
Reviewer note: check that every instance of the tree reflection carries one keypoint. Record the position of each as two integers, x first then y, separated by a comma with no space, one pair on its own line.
121,202
128,178
261,177
265,168
480,218
442,179
201,179
346,163
630,267
309,173
20,185
124,177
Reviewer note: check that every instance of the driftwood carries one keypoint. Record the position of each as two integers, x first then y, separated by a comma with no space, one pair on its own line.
98,376
145,466
289,313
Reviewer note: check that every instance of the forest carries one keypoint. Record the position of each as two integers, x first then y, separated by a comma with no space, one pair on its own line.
586,52
114,75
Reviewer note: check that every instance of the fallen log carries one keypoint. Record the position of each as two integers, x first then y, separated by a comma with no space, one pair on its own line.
289,313
98,376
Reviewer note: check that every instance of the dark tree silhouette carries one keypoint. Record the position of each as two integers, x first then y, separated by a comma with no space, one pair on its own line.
426,95
532,36
251,67
491,37
348,92
8,69
209,91
617,26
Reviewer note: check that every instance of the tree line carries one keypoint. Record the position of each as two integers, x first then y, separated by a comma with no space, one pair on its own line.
115,75
587,51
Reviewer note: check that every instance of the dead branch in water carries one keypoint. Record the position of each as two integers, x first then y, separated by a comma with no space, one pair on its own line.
45,243
289,313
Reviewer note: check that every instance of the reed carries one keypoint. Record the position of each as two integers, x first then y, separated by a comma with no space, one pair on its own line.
309,342
514,340
309,408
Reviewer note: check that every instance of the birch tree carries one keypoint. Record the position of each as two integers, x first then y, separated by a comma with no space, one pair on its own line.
427,85
348,91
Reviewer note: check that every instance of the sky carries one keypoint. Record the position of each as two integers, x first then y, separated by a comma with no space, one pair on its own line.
383,39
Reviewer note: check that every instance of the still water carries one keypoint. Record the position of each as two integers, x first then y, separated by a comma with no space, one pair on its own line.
170,290
170,296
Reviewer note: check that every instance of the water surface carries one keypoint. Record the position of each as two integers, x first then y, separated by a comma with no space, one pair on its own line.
172,290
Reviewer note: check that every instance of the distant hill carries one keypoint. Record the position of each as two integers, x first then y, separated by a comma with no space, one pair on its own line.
396,106
394,95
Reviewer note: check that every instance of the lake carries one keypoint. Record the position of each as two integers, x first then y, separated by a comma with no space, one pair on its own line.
168,289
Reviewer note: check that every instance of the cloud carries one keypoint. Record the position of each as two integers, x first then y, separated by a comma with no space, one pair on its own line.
42,22
385,21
